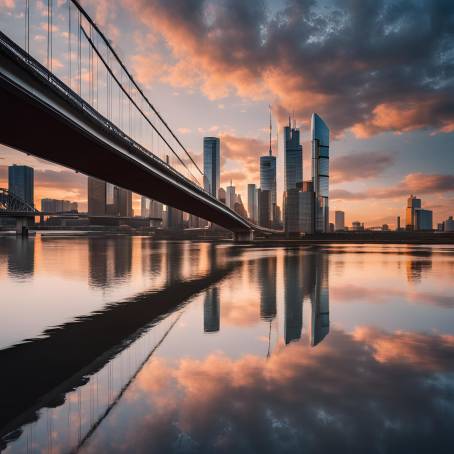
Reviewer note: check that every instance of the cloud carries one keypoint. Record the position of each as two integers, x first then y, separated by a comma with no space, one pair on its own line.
413,183
360,165
371,66
373,387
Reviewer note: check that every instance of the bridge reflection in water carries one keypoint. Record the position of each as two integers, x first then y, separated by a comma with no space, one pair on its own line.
84,367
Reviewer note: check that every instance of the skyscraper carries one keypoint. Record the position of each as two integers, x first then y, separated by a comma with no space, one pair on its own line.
320,172
268,175
21,182
264,207
107,199
413,203
96,197
339,217
306,206
293,157
230,196
252,204
423,219
211,164
293,174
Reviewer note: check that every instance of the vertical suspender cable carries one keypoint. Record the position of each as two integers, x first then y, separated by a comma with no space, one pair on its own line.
79,34
69,42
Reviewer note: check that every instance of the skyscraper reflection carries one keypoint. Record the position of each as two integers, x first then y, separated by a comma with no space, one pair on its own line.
21,258
306,276
293,295
211,311
267,268
320,301
109,260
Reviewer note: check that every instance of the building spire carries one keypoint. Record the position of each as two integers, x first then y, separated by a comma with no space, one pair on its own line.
270,151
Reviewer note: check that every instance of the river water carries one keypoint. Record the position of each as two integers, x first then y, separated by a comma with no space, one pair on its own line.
124,344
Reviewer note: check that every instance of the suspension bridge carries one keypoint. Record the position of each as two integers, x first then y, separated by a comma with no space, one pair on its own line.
70,99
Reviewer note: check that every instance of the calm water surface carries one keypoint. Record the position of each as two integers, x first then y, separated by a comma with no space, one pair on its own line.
122,344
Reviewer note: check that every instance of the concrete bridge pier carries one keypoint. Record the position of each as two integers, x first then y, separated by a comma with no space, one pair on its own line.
22,226
246,236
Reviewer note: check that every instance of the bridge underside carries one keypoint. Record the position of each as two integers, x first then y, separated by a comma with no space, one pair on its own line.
39,121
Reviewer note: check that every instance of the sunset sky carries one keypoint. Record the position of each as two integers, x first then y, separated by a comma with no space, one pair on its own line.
381,74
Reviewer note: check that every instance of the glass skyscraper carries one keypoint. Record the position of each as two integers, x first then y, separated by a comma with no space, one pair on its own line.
211,164
320,172
268,177
21,182
252,202
293,155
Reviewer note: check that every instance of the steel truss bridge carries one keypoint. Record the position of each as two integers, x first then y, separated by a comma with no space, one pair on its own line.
69,98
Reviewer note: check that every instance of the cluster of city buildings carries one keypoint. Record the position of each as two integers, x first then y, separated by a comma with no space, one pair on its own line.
305,202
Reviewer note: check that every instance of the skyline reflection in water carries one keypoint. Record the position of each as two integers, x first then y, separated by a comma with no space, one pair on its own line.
197,347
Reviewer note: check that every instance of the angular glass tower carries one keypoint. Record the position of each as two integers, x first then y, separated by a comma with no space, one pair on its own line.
320,172
268,176
211,164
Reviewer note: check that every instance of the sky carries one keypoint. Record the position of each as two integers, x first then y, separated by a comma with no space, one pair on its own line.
379,72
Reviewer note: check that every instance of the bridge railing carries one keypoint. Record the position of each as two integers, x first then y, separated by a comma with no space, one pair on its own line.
61,42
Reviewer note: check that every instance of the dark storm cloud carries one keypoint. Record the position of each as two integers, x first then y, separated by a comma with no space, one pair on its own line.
361,392
360,165
373,65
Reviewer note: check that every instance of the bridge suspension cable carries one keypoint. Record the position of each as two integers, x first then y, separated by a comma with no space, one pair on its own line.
133,82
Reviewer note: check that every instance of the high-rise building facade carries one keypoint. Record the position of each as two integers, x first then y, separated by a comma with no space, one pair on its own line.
293,158
58,206
230,196
106,199
96,197
264,207
21,182
252,203
339,220
320,172
306,207
212,164
291,211
268,178
423,219
413,203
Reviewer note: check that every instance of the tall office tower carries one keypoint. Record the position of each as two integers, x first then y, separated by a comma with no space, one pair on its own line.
97,197
293,174
222,195
291,211
252,204
21,182
320,172
398,223
230,196
320,301
339,218
211,164
306,207
145,203
124,206
238,207
174,218
423,219
268,175
211,311
264,207
413,203
293,157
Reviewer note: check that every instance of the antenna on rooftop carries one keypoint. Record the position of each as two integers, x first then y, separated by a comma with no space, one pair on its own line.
271,151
